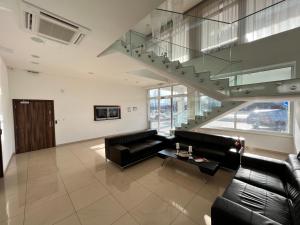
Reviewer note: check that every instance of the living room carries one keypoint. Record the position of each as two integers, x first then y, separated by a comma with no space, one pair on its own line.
174,113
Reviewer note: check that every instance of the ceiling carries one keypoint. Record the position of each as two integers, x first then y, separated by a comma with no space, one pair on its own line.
107,21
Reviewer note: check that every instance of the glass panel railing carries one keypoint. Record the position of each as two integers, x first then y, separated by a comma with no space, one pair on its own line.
203,62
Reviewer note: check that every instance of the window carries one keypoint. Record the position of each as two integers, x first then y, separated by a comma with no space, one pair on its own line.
168,108
260,116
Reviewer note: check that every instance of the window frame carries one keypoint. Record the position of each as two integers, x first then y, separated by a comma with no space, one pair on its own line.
290,125
159,97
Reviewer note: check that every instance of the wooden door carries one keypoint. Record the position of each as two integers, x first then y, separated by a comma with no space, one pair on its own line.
34,124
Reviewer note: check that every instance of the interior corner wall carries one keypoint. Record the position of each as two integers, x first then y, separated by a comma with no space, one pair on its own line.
297,125
74,99
6,119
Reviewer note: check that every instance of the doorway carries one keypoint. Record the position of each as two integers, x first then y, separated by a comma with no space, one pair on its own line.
34,124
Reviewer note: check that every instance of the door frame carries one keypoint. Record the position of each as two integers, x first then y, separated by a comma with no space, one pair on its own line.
34,100
1,157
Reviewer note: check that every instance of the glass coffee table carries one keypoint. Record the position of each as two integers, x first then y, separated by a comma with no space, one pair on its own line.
209,167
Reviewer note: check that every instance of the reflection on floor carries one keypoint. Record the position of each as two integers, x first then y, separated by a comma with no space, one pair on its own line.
72,185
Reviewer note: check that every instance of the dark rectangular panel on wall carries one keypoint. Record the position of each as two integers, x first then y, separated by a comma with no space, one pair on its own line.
34,124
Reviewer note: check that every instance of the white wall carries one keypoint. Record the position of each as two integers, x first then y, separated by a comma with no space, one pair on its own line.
6,118
272,142
74,99
297,125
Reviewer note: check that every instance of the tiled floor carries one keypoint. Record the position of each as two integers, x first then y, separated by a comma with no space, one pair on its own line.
72,185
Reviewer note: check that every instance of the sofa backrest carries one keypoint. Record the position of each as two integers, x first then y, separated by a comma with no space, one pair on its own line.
128,138
205,139
293,184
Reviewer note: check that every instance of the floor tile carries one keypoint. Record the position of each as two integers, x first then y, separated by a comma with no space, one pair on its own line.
87,195
154,211
18,220
130,196
44,188
107,210
199,210
125,220
49,212
11,206
78,180
183,220
71,220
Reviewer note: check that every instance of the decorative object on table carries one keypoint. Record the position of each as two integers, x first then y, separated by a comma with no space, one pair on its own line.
134,108
183,154
201,159
190,150
238,144
177,148
107,112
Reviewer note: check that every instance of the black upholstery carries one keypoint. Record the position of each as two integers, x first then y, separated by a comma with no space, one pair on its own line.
263,189
259,200
298,156
130,148
264,180
217,148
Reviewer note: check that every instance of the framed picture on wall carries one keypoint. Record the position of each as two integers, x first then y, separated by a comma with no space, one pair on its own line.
107,112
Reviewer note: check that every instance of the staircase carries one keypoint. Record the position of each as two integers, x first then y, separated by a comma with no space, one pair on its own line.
231,97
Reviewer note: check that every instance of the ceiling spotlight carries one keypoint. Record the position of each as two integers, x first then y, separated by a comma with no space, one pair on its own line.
91,73
35,56
36,39
36,63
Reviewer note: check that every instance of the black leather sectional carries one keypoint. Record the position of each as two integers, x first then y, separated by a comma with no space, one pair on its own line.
263,191
128,149
218,148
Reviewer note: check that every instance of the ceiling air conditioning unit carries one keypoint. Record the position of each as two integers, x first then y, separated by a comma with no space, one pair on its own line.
50,26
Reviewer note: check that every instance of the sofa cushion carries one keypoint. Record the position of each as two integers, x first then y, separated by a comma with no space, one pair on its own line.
261,201
139,146
206,139
261,179
210,153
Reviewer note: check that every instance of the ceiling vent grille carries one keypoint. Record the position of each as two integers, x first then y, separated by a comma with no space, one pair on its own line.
52,27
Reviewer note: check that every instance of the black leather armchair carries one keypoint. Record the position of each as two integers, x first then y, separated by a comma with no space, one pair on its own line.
130,148
263,191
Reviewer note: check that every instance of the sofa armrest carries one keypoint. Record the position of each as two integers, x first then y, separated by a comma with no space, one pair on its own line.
263,163
226,212
118,154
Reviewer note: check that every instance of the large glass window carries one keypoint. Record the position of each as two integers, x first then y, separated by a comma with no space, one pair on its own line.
168,108
260,116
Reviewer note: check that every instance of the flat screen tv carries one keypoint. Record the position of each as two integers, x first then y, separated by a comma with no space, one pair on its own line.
107,112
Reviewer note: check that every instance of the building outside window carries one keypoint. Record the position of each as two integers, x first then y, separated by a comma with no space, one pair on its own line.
167,108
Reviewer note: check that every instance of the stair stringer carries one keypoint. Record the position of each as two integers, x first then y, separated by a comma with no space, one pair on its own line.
218,112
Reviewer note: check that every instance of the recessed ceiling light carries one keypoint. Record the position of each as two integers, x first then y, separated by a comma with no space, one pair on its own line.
36,39
36,63
35,56
91,73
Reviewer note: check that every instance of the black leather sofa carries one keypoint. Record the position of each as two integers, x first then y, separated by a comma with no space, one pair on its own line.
219,148
263,191
130,148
